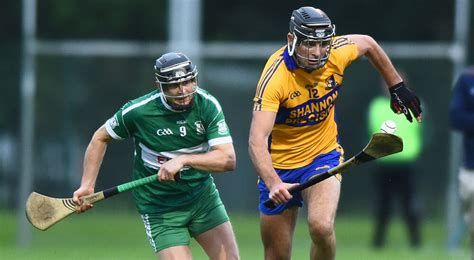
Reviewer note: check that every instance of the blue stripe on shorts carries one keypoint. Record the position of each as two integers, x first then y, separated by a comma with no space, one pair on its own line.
320,164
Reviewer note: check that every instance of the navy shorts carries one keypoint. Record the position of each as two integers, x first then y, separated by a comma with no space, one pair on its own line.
321,164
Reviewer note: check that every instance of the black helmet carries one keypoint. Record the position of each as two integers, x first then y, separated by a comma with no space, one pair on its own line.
174,68
309,23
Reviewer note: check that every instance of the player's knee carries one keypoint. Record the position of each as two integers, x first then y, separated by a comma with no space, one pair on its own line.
233,256
227,255
232,253
229,252
277,254
277,250
321,229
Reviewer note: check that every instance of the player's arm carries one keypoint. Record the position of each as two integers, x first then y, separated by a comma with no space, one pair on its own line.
92,161
220,158
368,47
403,100
260,130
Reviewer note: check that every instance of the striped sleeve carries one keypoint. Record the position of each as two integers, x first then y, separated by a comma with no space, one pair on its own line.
116,127
344,51
121,125
267,95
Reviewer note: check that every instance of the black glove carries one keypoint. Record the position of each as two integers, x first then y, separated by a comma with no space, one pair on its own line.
402,99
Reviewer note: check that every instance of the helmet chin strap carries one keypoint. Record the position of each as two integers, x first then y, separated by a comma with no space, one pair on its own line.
292,46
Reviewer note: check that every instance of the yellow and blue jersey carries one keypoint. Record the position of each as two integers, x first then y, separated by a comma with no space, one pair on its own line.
305,125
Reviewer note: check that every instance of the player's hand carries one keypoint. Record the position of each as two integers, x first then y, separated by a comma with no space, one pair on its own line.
82,206
169,171
279,192
403,100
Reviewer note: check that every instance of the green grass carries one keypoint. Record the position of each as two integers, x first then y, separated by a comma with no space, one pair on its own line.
104,235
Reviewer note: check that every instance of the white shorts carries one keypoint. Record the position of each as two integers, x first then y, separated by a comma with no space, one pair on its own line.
466,183
466,191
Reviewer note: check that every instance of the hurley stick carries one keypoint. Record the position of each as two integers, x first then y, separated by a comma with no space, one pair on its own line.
43,211
380,145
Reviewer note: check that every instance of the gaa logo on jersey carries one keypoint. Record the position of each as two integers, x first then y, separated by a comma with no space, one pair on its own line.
295,94
199,128
222,127
113,122
164,131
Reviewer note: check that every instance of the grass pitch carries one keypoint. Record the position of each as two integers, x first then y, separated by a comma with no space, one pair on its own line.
118,235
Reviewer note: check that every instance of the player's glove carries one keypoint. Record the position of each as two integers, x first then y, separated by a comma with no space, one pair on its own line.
403,100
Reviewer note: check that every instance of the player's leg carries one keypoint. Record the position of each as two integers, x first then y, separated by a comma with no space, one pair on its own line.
277,233
471,224
211,228
168,235
219,242
322,200
278,224
175,252
466,190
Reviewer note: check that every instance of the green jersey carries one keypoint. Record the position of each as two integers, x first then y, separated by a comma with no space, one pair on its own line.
160,134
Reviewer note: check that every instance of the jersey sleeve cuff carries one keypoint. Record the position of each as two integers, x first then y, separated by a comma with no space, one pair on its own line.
111,132
266,108
220,140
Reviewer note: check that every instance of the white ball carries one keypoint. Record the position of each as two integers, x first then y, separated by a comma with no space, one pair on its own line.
388,127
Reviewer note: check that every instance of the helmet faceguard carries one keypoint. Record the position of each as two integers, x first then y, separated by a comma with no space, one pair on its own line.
173,70
310,27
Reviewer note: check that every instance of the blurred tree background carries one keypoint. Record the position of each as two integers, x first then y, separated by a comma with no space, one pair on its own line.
75,95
